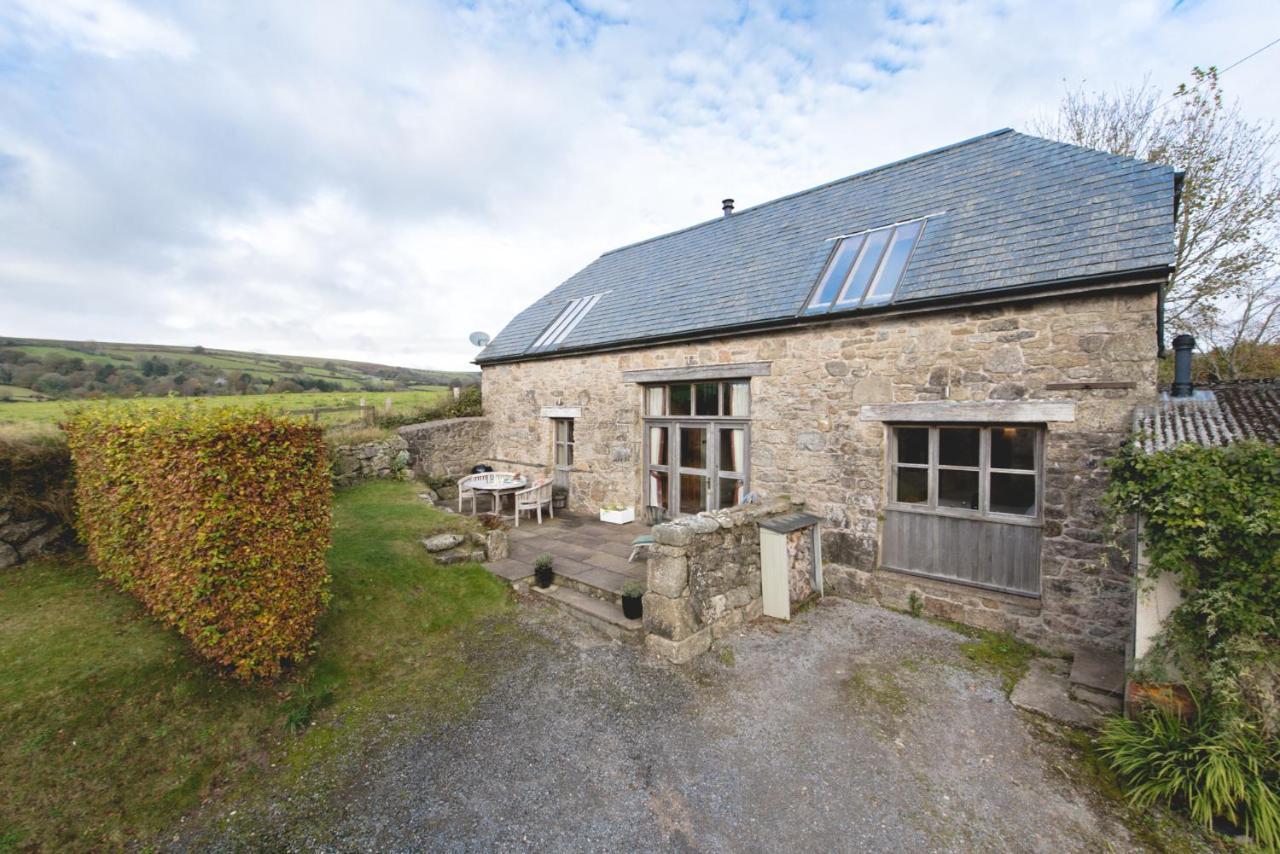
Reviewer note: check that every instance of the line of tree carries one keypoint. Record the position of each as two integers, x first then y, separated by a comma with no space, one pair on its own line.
57,375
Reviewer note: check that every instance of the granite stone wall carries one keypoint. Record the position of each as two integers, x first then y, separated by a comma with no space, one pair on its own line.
704,578
449,447
807,438
369,460
25,534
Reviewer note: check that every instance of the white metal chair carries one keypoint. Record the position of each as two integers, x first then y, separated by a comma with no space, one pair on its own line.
533,498
465,490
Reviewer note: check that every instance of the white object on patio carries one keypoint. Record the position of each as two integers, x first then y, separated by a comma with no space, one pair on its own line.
618,517
533,498
466,486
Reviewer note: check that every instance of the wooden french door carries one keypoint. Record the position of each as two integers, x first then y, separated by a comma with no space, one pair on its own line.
691,466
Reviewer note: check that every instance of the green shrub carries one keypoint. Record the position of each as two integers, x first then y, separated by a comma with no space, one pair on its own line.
467,405
1216,769
543,561
217,519
635,588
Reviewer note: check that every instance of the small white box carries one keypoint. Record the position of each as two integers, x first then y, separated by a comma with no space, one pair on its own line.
618,517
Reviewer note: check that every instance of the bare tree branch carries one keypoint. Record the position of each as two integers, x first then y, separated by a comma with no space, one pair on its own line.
1229,217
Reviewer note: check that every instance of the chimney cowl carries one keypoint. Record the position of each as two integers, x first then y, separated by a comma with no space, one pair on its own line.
727,205
1182,346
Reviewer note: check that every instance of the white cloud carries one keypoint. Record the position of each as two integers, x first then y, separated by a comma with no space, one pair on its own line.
378,180
112,28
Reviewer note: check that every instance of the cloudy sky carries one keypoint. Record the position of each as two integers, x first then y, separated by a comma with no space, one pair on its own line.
376,179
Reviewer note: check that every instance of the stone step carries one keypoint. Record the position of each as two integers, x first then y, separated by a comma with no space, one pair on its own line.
1098,671
605,594
1046,691
602,616
1103,701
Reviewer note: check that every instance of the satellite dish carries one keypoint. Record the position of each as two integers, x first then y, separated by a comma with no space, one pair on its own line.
480,339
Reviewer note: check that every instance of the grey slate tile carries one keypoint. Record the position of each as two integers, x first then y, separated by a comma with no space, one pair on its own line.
1010,210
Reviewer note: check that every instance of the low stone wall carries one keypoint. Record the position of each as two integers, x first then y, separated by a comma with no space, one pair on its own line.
26,535
449,447
704,578
972,606
368,460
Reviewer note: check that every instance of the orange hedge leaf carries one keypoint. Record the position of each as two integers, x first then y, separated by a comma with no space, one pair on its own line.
217,519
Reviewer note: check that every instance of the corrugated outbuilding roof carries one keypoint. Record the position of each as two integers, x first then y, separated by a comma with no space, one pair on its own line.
1218,415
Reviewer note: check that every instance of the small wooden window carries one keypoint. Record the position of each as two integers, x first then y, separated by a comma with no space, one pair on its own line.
563,442
969,470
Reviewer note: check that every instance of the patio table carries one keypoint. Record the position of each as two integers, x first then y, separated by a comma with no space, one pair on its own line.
497,489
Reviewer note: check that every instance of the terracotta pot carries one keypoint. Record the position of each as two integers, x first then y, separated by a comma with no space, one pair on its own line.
1174,698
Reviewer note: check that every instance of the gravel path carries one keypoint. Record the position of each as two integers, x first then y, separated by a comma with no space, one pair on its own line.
852,728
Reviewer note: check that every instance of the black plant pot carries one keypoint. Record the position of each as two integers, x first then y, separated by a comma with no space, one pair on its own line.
632,607
544,575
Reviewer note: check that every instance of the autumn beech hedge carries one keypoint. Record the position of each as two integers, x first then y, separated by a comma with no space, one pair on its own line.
217,519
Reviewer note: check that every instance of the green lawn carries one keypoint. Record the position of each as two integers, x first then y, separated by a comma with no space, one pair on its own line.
24,411
111,729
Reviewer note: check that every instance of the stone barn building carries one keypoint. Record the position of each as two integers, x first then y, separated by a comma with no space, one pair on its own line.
934,355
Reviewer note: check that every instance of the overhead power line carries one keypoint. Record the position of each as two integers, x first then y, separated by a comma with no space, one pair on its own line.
1221,71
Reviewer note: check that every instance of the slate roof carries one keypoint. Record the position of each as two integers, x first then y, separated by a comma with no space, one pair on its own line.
1006,211
1218,415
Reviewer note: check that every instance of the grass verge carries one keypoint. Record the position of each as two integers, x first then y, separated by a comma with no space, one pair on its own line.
112,729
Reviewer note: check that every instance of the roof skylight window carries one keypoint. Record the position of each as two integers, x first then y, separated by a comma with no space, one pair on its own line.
865,268
569,317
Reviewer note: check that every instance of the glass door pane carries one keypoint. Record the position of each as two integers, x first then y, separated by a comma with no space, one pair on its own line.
694,471
732,450
693,447
658,454
730,493
659,490
657,463
693,493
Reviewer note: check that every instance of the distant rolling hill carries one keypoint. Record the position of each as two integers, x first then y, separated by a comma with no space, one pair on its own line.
48,369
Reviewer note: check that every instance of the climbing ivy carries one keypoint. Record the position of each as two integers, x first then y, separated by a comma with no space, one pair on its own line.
1211,516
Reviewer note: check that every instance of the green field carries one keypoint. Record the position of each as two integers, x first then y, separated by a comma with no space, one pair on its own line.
51,411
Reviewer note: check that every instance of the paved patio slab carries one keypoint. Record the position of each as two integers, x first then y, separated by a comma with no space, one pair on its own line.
584,549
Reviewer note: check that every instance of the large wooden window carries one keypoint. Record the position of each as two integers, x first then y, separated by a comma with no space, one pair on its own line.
696,437
964,504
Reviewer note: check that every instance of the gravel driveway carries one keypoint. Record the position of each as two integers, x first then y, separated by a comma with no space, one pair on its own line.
852,728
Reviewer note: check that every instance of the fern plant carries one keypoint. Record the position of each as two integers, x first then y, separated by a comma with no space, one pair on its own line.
1216,769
